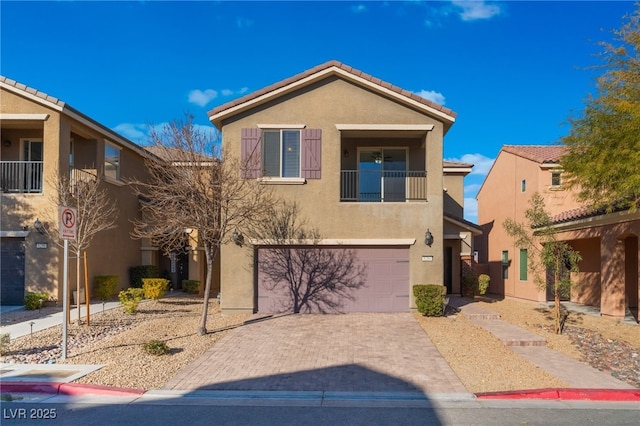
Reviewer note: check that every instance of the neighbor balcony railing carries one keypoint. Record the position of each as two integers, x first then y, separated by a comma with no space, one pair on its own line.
21,176
383,186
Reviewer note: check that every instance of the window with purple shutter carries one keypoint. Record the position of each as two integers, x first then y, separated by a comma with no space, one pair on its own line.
311,153
251,156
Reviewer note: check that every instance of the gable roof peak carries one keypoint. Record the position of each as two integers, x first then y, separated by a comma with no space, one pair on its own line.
321,71
540,154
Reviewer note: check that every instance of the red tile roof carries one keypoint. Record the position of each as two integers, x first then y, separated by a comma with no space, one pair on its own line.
446,163
538,153
322,67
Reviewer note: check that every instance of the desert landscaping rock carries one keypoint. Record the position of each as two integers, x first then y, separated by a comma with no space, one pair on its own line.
482,363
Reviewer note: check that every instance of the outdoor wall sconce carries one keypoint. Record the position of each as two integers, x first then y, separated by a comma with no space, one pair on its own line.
38,226
428,238
7,143
238,238
346,153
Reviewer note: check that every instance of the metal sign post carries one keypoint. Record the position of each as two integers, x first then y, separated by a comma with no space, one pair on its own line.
68,218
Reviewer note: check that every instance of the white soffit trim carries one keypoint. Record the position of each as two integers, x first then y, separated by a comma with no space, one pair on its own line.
318,76
14,234
465,170
282,126
413,127
341,242
33,117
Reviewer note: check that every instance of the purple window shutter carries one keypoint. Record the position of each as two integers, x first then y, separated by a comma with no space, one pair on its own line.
251,153
311,153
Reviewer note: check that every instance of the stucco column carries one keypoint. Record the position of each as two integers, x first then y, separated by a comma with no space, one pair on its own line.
612,295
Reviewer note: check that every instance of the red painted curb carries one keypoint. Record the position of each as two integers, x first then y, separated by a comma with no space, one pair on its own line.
56,388
621,395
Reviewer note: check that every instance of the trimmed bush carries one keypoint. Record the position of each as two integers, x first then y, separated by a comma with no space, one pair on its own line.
137,273
154,288
156,347
191,286
130,298
5,341
429,299
483,283
34,300
469,285
105,286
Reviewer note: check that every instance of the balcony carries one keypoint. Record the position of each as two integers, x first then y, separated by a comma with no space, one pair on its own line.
21,176
383,186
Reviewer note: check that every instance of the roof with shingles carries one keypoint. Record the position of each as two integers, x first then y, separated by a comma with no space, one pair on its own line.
539,153
322,67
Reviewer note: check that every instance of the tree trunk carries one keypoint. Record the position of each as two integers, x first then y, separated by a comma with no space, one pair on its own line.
556,312
210,255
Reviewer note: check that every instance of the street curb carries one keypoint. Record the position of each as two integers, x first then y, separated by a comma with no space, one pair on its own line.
72,389
620,395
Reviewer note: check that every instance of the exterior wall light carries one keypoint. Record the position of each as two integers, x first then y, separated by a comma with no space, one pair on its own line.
38,226
238,238
428,238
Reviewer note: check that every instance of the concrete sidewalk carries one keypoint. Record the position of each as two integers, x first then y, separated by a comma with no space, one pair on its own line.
533,348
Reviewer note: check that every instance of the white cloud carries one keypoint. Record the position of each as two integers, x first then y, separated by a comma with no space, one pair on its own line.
481,163
471,209
359,8
471,189
474,10
432,95
201,98
137,133
226,92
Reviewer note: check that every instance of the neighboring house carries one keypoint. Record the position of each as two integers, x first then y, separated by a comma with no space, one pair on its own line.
607,242
364,161
41,137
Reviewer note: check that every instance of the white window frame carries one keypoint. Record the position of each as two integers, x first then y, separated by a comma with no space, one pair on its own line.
281,178
118,165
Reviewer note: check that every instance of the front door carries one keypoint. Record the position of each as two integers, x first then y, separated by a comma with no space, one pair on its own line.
12,271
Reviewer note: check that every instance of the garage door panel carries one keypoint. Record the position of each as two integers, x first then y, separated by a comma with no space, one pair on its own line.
386,284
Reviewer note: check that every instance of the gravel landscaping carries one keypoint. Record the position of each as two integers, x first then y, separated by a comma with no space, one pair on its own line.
115,339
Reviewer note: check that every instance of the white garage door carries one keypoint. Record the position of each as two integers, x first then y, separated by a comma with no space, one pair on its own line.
320,279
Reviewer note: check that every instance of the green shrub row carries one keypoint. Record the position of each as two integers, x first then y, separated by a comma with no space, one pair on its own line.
191,286
34,300
137,273
130,298
429,299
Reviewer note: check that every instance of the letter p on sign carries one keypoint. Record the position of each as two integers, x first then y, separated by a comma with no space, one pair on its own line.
68,218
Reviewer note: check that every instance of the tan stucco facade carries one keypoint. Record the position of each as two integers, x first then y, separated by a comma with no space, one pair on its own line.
26,116
327,105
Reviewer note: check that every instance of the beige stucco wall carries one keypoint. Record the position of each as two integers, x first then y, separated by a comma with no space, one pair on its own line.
500,198
322,107
111,252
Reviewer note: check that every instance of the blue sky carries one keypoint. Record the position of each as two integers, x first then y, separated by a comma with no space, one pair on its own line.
512,71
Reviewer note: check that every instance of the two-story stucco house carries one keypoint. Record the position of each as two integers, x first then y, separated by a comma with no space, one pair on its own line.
607,242
364,161
41,136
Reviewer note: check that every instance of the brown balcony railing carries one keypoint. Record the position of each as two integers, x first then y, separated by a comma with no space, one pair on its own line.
383,186
21,176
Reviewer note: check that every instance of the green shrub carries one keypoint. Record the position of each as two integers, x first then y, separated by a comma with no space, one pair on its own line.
429,299
5,340
483,283
154,288
105,286
469,285
33,300
156,347
191,286
130,298
137,273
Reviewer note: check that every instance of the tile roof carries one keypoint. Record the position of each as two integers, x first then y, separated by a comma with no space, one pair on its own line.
455,164
31,90
538,153
322,67
585,212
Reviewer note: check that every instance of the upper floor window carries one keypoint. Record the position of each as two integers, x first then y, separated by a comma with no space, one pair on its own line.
281,153
111,161
556,178
523,185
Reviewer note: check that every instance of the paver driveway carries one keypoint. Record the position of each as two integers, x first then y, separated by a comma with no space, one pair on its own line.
347,352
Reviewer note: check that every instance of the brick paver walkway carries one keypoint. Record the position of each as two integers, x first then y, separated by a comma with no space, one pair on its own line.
350,352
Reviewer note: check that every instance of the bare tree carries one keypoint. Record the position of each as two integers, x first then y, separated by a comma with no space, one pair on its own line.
550,259
96,212
191,187
313,278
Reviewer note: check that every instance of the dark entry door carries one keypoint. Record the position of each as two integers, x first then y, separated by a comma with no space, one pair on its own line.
448,269
12,271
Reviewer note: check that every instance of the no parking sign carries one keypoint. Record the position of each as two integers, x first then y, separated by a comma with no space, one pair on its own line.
68,219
